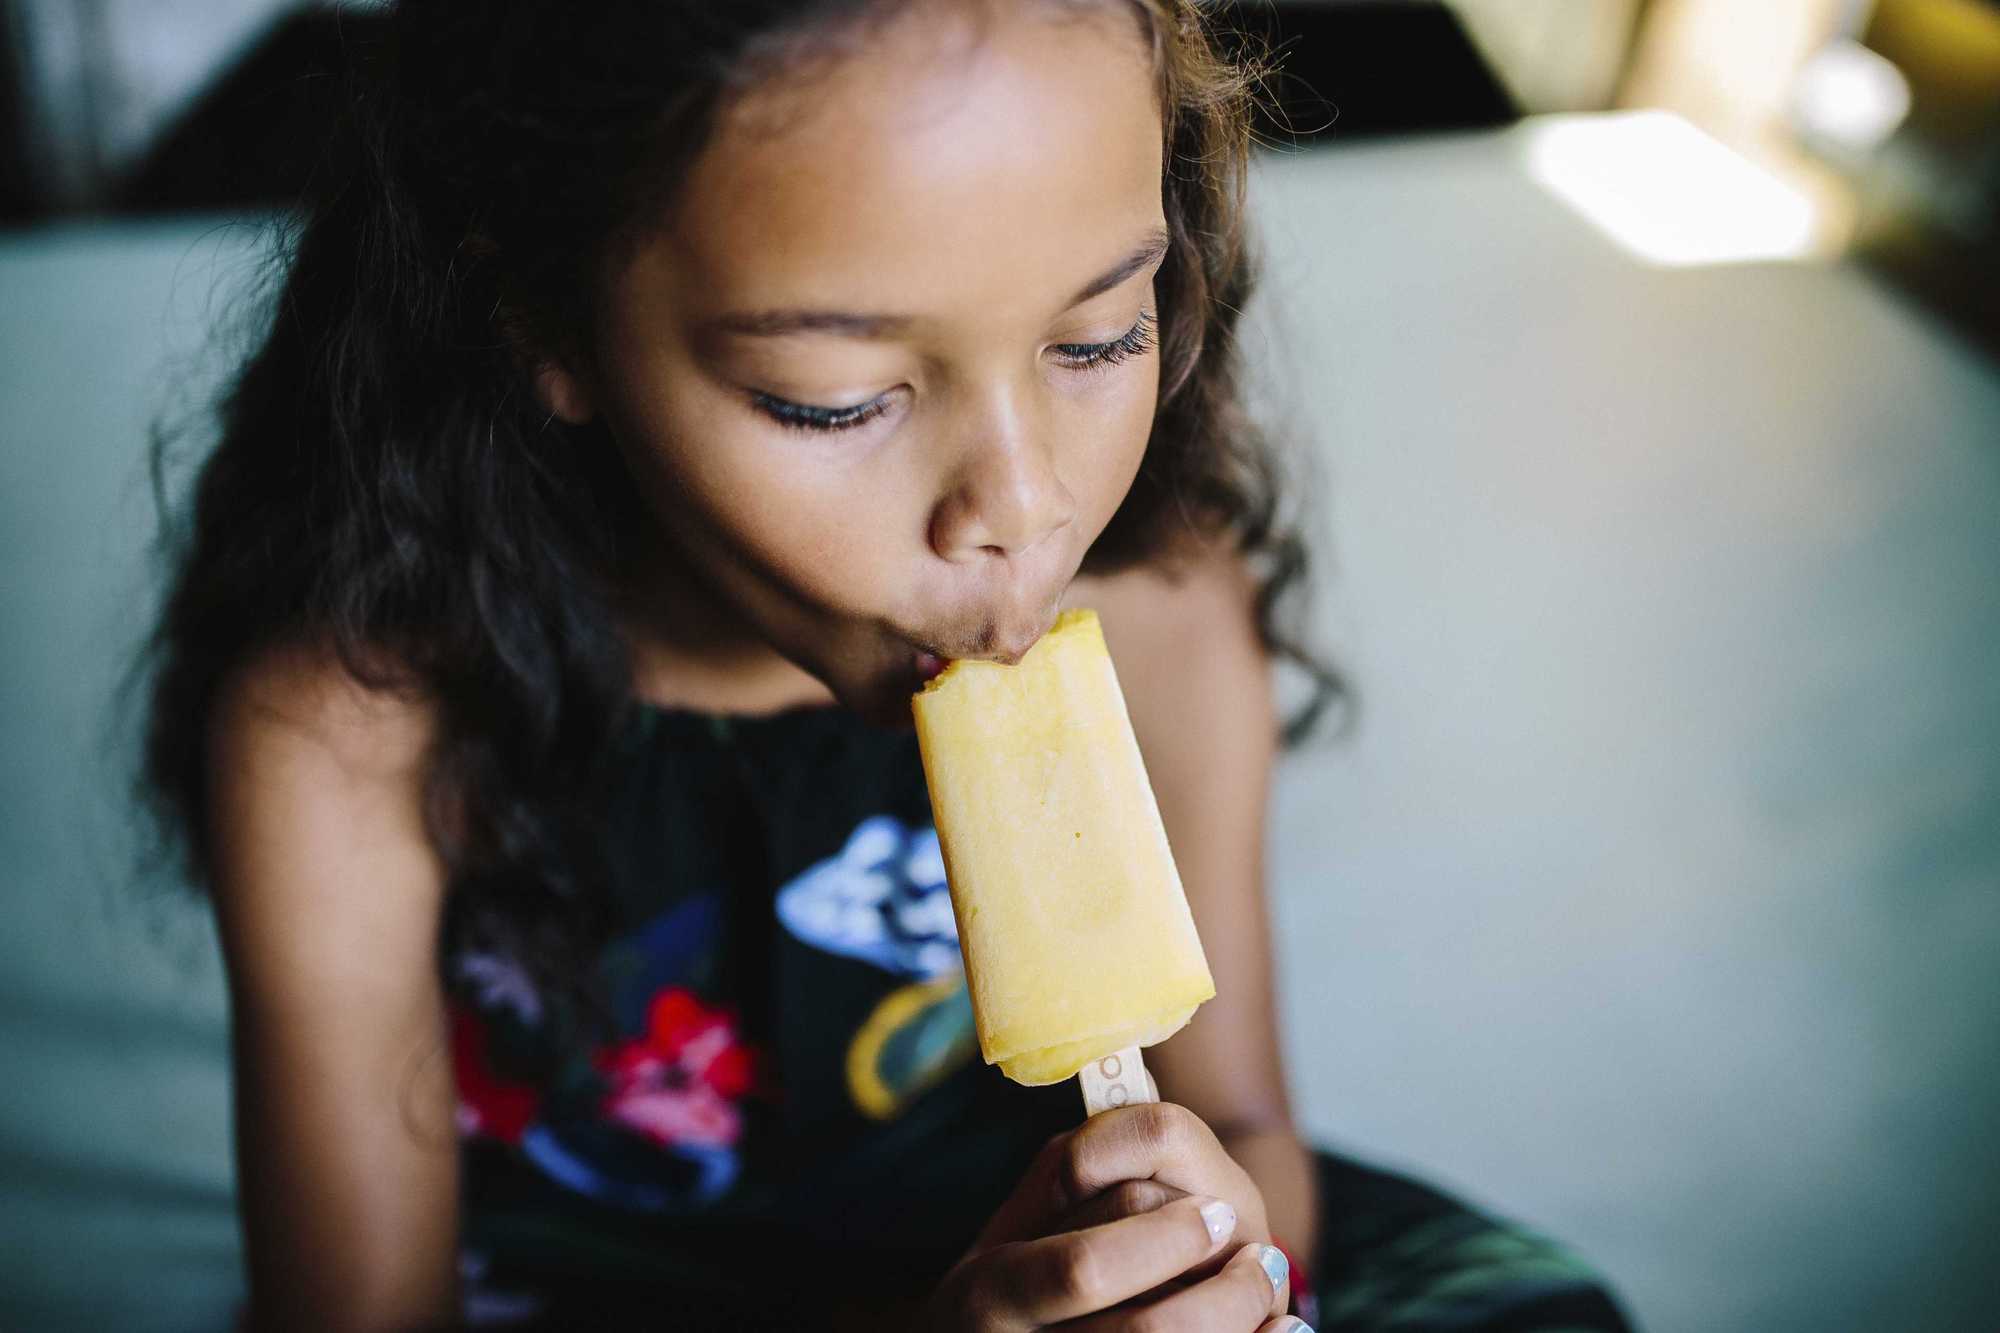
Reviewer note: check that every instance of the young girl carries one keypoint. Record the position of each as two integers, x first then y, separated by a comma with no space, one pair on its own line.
657,394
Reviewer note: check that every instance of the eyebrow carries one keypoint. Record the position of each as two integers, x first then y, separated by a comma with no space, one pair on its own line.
850,324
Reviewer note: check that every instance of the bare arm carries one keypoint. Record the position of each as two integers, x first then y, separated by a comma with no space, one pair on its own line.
1198,687
328,898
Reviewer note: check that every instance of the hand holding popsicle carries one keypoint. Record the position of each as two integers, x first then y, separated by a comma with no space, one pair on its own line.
1080,949
1137,1209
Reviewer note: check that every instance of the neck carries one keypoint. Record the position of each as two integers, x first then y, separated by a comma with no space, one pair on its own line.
694,649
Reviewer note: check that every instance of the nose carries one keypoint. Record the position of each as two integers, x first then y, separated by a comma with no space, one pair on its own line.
1004,496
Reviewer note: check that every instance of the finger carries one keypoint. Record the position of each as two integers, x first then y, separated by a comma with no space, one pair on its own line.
1079,1272
1288,1324
1277,1268
1155,1141
1242,1297
1128,1198
1051,1189
1033,1207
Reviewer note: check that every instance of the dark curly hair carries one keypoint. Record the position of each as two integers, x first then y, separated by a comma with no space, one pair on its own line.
386,489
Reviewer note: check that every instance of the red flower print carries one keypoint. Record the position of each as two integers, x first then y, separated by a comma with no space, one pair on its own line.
732,1073
495,1107
679,1083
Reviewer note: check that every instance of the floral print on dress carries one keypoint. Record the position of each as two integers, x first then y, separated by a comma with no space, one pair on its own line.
882,899
654,1120
680,1083
651,1121
498,982
488,1105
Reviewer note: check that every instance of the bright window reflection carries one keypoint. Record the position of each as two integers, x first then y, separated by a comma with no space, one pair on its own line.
1666,191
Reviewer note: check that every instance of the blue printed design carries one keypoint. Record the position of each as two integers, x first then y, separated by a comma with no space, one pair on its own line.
616,1169
670,950
880,899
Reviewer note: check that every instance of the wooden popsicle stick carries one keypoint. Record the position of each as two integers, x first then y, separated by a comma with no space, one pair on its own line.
1119,1079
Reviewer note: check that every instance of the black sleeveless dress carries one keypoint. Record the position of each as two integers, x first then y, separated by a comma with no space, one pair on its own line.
792,1116
797,1091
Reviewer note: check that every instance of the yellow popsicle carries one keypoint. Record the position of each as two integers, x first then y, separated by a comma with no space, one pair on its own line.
1077,937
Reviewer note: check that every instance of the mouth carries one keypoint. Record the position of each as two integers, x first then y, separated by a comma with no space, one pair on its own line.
928,658
918,669
923,665
990,645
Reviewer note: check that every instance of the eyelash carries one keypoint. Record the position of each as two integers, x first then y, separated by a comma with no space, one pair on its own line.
1136,341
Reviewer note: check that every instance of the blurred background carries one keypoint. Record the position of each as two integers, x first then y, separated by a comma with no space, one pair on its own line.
1646,357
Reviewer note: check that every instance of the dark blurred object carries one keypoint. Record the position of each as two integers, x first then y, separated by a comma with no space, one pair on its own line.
91,84
1930,196
254,137
17,192
251,136
1368,67
1365,67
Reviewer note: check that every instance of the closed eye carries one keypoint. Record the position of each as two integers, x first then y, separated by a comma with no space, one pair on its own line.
804,416
1135,341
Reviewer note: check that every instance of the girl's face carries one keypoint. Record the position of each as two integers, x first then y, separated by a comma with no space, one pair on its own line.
887,371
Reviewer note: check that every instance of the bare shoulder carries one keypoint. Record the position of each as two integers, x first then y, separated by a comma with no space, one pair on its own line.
317,830
1183,633
303,702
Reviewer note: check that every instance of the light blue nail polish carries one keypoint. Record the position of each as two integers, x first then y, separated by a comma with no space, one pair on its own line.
1276,1266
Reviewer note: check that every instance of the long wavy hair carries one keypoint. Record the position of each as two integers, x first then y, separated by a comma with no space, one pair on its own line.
385,487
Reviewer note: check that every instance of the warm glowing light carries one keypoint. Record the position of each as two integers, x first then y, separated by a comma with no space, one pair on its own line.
1850,96
1667,192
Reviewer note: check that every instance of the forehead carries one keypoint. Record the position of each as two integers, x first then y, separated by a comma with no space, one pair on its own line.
999,155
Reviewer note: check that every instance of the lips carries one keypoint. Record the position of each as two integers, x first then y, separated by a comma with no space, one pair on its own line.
929,655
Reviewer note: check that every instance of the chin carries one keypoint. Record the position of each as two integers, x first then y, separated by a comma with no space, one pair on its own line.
883,700
895,717
888,707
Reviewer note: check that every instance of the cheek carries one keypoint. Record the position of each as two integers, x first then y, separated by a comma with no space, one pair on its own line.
848,536
815,513
1108,441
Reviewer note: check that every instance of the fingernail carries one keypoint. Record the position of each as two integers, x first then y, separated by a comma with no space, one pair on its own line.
1297,1326
1219,1218
1276,1266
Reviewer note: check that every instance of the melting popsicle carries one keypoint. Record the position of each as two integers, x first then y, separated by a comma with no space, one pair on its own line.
1079,946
